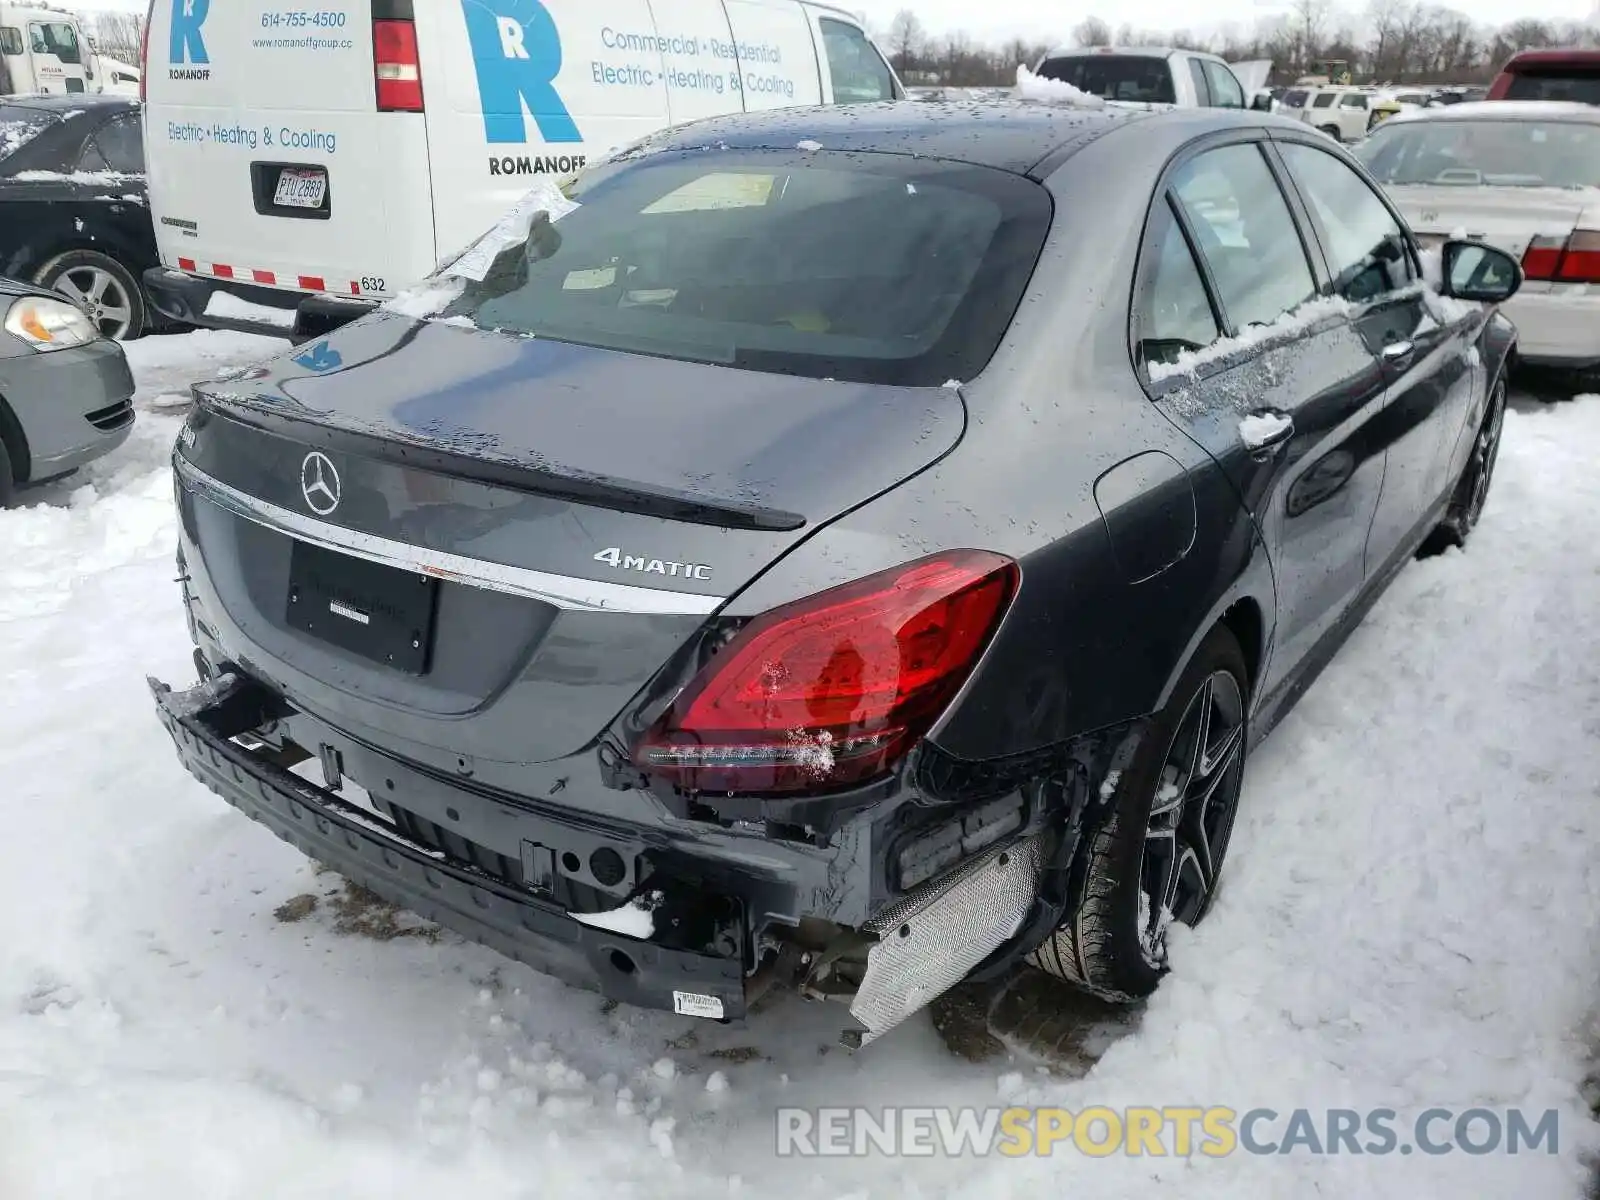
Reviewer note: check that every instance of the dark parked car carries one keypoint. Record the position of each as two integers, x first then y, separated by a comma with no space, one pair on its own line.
66,394
73,212
843,550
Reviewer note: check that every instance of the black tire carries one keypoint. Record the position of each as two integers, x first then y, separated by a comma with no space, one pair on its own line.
1112,945
1332,131
1472,488
76,275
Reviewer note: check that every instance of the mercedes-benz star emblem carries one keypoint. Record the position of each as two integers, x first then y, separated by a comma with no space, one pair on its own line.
319,483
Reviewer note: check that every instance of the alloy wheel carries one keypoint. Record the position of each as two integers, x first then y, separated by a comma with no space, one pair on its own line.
102,296
1191,817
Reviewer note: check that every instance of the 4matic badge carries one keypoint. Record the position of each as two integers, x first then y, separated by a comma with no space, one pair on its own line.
613,556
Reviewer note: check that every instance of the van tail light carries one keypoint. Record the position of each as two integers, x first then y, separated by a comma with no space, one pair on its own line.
835,689
396,66
144,52
1572,259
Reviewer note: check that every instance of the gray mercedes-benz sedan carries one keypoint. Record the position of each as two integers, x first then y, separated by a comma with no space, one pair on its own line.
846,549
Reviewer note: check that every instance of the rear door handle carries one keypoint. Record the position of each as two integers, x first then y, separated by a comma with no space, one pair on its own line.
1399,353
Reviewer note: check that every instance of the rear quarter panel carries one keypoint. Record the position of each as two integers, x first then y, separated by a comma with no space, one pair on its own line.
1087,643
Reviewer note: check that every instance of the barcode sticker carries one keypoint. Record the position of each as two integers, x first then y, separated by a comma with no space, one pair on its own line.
693,1004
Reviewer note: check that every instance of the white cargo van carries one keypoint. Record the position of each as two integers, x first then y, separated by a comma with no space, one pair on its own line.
43,50
304,165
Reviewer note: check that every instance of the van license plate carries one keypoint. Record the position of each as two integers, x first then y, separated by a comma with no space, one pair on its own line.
301,189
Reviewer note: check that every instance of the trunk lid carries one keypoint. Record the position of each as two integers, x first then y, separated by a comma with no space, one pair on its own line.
625,496
1506,217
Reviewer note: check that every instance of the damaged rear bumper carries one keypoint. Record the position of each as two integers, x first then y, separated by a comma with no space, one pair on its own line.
368,851
695,955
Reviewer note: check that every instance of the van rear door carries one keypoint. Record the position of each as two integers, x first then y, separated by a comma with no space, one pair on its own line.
270,162
528,92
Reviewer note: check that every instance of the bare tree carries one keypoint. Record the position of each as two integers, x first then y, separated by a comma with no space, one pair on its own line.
118,35
1309,19
1092,31
906,39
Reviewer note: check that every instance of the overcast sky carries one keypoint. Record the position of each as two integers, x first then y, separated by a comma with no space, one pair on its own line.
1054,19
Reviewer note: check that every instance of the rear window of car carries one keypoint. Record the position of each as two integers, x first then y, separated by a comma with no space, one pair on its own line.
1498,153
19,126
1134,78
1563,83
870,268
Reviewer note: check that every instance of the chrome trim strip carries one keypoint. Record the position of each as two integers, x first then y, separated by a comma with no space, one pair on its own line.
563,591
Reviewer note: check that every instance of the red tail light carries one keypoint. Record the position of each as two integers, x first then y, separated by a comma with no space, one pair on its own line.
1542,257
834,689
144,52
1574,259
396,66
1581,264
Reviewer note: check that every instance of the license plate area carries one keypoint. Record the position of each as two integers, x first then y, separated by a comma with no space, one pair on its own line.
301,187
301,191
378,613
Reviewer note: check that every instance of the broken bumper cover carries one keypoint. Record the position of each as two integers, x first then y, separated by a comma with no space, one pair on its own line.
366,850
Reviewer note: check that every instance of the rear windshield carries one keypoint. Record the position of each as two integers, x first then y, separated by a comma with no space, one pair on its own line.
19,126
1130,77
1499,153
1557,83
875,268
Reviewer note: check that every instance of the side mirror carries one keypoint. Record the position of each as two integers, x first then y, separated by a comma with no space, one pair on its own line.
1475,271
1261,103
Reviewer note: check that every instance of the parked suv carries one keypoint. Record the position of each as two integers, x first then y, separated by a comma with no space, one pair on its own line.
1339,112
1560,74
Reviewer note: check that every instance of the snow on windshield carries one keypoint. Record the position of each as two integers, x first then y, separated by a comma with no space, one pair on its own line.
17,130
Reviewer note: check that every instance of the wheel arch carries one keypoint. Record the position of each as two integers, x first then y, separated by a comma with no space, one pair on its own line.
15,442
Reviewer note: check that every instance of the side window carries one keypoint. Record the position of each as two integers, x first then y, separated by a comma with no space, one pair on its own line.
36,38
858,73
122,145
1366,247
1245,233
1202,93
91,159
1225,89
1174,313
1353,100
10,39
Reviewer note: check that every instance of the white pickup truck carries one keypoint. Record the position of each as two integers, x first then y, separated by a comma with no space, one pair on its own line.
1157,75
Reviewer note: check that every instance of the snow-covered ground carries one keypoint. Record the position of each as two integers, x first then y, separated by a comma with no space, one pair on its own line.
1410,920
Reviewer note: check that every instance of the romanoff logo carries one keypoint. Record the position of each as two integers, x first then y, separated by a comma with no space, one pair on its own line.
516,53
187,43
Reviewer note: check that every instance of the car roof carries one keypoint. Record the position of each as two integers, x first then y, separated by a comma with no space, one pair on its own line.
1553,56
1008,135
1505,110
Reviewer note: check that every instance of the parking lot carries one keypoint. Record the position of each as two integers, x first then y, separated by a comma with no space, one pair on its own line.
191,1005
